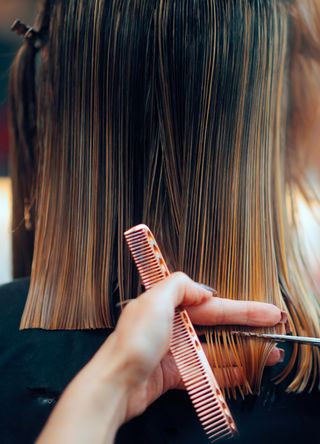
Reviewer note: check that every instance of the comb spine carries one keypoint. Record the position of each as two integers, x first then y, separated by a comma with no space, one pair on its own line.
185,347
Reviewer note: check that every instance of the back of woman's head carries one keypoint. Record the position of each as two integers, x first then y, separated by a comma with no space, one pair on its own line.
186,116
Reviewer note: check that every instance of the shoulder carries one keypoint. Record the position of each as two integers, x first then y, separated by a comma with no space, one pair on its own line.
12,300
17,288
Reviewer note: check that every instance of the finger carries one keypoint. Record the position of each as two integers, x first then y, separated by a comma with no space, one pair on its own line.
227,368
177,289
219,311
235,378
228,374
145,325
276,355
160,301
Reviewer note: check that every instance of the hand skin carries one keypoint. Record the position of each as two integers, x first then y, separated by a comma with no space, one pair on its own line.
133,367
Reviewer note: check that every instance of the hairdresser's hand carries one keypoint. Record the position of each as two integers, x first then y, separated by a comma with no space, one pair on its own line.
142,337
144,332
133,367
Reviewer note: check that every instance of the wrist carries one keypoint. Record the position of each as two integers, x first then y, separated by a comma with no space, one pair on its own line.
105,403
120,361
93,406
107,377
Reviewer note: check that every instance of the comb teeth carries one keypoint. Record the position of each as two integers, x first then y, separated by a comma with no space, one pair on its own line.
146,255
199,380
185,347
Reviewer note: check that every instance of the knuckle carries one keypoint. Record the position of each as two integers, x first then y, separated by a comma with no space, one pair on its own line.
219,314
277,312
250,312
271,313
180,278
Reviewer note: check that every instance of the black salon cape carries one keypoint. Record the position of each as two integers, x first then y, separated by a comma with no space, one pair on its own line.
36,365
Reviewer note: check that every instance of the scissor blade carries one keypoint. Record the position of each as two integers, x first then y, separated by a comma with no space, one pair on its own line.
280,338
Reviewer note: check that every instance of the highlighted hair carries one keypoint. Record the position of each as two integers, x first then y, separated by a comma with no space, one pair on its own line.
186,116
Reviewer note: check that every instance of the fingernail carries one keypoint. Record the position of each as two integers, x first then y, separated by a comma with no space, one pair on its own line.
284,317
282,354
288,329
206,287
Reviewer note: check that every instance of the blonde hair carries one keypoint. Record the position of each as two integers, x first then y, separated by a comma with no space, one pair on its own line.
186,116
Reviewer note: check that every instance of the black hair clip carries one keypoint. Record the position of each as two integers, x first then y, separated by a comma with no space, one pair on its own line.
32,36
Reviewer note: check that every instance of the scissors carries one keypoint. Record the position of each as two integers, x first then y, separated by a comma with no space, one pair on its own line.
280,338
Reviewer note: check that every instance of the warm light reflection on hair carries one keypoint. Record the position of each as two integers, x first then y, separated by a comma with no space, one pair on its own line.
5,229
309,225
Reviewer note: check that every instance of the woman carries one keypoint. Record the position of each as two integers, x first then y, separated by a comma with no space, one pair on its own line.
182,115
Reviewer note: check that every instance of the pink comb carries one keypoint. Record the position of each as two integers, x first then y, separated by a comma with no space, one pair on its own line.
185,347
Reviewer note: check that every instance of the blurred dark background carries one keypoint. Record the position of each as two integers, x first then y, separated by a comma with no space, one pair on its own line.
9,43
10,10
